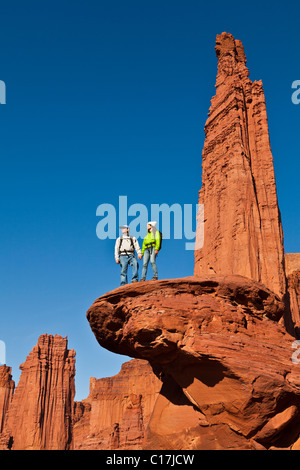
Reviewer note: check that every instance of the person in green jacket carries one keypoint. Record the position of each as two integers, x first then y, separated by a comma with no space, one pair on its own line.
150,248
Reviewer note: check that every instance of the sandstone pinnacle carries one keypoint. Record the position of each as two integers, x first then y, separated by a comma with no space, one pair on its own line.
242,223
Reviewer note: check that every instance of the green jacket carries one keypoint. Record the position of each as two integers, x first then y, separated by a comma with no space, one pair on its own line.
151,240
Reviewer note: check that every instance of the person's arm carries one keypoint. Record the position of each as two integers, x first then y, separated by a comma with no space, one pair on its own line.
137,247
117,246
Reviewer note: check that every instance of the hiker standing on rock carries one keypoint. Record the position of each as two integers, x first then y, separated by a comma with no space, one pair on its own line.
125,248
150,249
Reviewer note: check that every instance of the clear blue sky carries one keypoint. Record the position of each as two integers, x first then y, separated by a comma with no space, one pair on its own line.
107,99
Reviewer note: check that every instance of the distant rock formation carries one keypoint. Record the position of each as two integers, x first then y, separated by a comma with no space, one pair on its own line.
242,224
7,386
116,413
293,283
40,414
228,381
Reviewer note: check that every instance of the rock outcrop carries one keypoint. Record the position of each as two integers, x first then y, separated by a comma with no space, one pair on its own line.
116,413
242,224
293,284
292,263
228,381
40,414
7,386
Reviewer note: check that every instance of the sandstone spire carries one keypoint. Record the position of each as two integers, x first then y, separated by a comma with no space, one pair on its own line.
242,224
41,412
7,386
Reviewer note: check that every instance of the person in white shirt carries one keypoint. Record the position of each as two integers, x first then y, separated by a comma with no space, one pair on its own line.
125,248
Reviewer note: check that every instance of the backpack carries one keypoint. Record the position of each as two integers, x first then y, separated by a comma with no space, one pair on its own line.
160,240
131,241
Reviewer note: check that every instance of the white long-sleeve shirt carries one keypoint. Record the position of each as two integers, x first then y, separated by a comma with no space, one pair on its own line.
126,246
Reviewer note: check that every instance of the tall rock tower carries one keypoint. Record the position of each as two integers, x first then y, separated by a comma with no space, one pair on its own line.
242,224
40,414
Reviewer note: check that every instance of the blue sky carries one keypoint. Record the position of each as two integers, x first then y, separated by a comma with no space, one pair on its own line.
107,99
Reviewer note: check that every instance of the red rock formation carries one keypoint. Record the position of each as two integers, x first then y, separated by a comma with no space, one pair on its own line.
41,412
225,361
7,386
292,262
117,410
293,282
242,224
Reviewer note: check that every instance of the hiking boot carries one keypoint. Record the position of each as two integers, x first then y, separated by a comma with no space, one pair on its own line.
154,279
134,280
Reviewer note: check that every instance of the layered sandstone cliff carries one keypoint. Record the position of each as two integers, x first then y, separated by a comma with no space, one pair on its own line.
116,413
40,413
7,386
242,224
293,284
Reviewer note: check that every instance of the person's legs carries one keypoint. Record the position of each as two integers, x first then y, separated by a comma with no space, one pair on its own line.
145,264
134,264
153,264
124,267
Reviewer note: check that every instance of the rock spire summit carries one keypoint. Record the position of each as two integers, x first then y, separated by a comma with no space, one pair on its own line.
242,223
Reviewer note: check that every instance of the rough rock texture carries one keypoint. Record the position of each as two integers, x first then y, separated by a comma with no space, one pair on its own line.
242,224
117,410
293,283
41,412
7,386
292,263
225,361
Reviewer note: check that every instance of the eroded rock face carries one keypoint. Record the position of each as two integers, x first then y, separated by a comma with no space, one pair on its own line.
293,283
293,280
225,362
242,224
116,413
7,386
41,412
